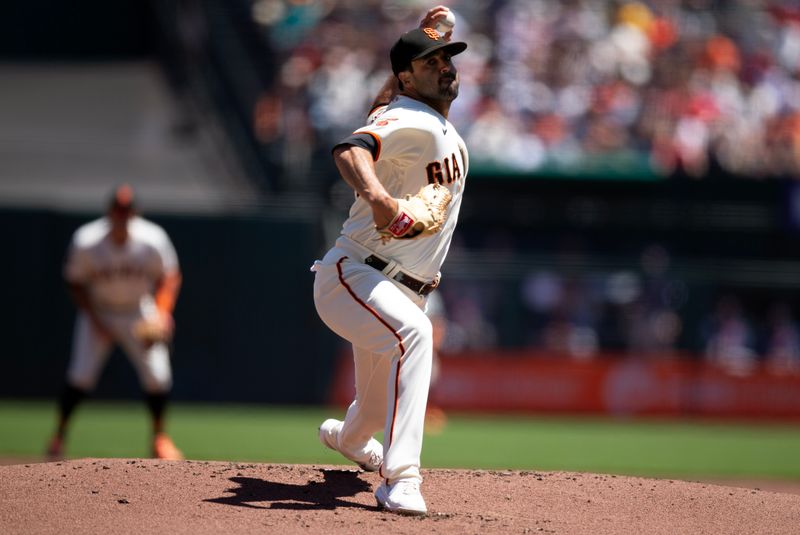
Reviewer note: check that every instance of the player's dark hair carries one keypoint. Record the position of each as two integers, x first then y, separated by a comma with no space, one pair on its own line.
399,81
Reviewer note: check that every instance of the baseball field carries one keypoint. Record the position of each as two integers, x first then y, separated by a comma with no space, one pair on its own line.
483,472
668,448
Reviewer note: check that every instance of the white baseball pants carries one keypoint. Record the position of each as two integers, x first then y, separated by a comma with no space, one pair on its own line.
393,350
90,353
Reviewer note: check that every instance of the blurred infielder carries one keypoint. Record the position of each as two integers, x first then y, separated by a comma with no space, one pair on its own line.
123,275
408,167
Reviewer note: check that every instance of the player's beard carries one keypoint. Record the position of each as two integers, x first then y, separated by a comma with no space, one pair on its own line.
443,88
448,88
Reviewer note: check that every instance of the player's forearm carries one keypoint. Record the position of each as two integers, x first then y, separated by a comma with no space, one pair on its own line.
358,170
167,292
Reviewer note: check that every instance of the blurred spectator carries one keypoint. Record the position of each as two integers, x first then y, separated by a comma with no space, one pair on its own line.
782,354
470,304
656,325
570,328
623,311
730,342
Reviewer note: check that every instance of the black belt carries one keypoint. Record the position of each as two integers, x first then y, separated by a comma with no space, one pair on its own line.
417,286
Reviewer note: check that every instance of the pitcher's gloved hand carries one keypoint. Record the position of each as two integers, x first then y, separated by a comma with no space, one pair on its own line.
418,215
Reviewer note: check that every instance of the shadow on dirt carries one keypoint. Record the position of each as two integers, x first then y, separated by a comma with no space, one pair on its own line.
326,494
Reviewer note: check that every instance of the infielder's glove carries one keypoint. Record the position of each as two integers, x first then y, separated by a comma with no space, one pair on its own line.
152,330
418,215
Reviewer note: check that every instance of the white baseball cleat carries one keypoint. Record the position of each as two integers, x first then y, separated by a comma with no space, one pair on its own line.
402,497
370,459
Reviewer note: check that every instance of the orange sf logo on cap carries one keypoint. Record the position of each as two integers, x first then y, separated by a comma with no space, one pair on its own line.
430,32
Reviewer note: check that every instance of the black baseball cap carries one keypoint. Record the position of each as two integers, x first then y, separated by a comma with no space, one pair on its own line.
418,43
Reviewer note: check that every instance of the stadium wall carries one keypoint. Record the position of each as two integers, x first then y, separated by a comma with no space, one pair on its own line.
538,382
246,328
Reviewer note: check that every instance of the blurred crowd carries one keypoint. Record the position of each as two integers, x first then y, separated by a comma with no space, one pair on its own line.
645,312
655,87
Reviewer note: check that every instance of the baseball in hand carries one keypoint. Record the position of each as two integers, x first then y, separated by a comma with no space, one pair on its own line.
446,24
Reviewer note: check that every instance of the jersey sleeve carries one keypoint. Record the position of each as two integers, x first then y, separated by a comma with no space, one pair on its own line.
77,265
162,259
363,140
397,138
376,112
166,251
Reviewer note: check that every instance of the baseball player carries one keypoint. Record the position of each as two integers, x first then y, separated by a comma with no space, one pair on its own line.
123,275
408,167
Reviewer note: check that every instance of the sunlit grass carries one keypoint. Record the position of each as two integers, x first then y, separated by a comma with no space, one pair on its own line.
289,435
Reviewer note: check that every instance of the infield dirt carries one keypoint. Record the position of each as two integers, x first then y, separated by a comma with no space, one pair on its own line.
202,497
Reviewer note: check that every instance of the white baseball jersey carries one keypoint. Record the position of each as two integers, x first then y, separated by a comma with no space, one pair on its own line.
118,277
416,146
120,281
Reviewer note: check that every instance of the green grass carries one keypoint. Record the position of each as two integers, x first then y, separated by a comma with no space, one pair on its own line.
288,435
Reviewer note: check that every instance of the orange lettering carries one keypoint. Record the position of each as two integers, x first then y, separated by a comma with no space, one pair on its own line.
430,32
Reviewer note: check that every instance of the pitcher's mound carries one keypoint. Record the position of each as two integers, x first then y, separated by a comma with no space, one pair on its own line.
198,497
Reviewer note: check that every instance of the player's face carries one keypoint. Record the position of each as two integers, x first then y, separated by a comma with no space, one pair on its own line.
435,77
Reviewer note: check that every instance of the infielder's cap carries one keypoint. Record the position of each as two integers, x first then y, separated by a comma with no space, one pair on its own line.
418,43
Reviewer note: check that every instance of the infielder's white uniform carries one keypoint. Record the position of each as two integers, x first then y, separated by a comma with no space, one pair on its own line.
381,317
120,281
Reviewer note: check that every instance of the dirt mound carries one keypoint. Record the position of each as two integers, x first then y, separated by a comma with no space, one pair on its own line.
198,497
